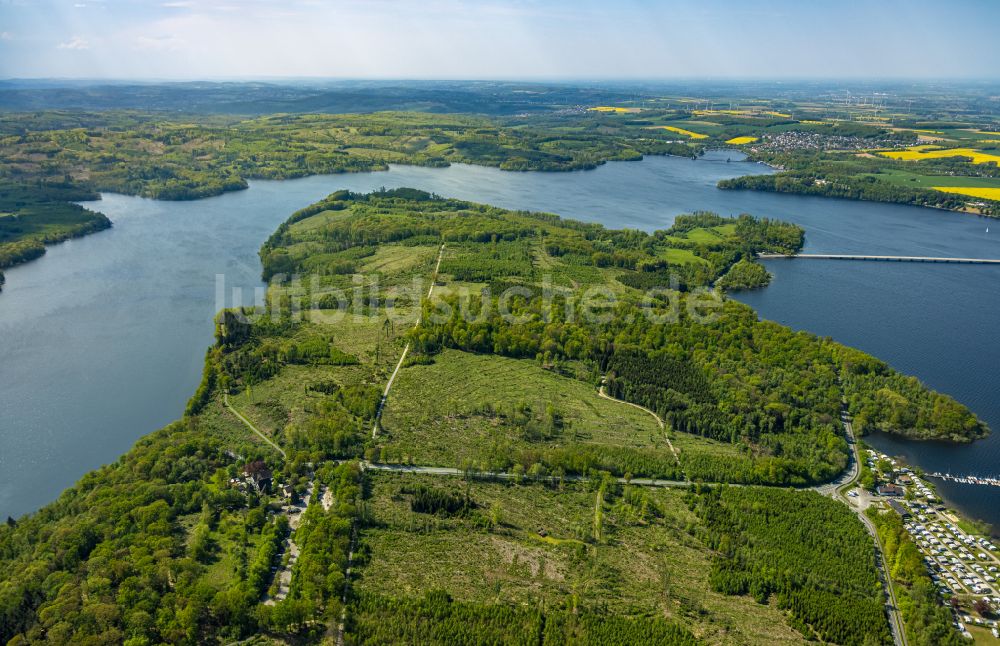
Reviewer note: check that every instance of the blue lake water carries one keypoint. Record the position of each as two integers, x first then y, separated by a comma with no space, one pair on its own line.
103,337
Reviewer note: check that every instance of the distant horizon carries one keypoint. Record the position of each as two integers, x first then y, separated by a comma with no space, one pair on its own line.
527,40
501,79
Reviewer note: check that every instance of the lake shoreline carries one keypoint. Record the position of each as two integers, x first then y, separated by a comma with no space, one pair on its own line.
179,247
388,167
861,305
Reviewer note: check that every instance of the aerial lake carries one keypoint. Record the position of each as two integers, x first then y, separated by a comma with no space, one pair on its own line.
104,336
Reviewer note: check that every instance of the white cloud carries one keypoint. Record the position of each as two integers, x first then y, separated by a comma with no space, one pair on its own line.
74,43
6,35
159,43
466,39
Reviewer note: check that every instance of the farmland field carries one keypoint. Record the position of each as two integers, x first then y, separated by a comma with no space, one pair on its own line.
611,108
682,131
972,191
924,152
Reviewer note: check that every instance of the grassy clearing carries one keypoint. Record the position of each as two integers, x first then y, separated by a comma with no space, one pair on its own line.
229,544
687,444
917,180
315,222
538,553
983,636
390,260
286,399
363,336
682,257
443,413
704,235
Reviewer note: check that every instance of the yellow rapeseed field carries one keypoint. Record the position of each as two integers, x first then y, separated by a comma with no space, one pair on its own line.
987,132
682,131
612,108
917,153
745,113
741,140
971,191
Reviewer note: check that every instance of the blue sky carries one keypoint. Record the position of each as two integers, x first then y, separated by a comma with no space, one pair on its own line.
177,39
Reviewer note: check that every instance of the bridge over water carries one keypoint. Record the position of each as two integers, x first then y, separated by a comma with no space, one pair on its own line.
831,256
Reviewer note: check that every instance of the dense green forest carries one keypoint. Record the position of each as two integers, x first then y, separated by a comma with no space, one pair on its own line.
51,158
33,215
141,153
198,157
767,546
928,622
869,188
872,177
880,398
746,274
396,621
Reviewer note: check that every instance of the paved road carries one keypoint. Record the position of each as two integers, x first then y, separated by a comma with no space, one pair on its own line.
837,256
853,466
891,606
838,491
504,475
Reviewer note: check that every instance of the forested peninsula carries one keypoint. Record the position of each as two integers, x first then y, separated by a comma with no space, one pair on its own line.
51,160
518,342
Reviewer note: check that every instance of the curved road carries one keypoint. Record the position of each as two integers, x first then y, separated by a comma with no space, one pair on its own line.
837,489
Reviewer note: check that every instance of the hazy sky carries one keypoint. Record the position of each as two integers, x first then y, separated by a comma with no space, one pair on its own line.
492,39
